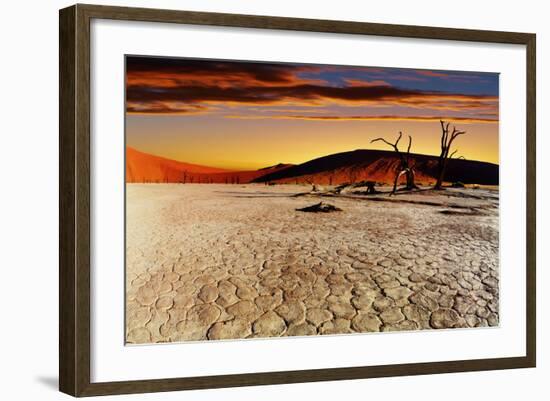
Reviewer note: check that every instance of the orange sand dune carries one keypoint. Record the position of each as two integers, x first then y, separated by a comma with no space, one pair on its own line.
380,166
142,168
236,177
338,168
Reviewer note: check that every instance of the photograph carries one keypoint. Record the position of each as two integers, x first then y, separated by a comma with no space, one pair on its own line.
276,199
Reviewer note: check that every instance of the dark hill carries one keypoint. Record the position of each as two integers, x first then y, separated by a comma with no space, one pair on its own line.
380,166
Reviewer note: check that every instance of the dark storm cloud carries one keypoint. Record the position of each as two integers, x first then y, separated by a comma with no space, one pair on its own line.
160,85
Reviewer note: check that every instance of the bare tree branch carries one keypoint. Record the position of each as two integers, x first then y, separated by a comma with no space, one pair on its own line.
404,162
383,140
447,140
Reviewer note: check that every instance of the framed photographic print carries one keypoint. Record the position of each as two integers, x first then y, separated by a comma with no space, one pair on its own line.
250,200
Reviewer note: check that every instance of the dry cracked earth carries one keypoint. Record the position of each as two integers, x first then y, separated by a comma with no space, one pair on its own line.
210,262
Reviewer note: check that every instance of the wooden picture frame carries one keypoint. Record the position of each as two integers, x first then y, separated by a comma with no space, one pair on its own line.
74,203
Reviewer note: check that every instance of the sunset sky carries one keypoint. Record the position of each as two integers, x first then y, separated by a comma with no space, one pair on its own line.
247,115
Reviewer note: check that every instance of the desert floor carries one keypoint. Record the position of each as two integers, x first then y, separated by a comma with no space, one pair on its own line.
238,261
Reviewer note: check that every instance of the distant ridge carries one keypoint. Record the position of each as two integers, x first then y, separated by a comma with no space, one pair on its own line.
276,167
380,166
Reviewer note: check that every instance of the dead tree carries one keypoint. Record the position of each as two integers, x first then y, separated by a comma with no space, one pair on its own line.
458,158
447,139
313,186
370,187
404,167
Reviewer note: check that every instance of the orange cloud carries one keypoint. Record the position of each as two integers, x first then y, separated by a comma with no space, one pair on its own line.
368,118
430,73
360,82
167,108
176,86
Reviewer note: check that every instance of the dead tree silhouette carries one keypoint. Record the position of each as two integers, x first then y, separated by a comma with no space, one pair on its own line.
404,167
447,139
313,186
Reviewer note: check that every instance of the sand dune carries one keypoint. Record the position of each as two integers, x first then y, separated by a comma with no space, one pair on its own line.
143,167
338,168
236,177
380,166
146,168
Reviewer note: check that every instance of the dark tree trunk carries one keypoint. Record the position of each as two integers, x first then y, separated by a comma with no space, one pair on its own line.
410,179
446,142
441,175
404,166
370,187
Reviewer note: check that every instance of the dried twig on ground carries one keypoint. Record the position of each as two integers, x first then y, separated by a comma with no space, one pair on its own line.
320,207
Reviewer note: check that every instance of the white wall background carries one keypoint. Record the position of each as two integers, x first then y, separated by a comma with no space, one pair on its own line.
28,199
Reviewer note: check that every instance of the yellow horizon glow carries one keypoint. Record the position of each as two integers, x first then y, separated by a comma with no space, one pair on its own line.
264,143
